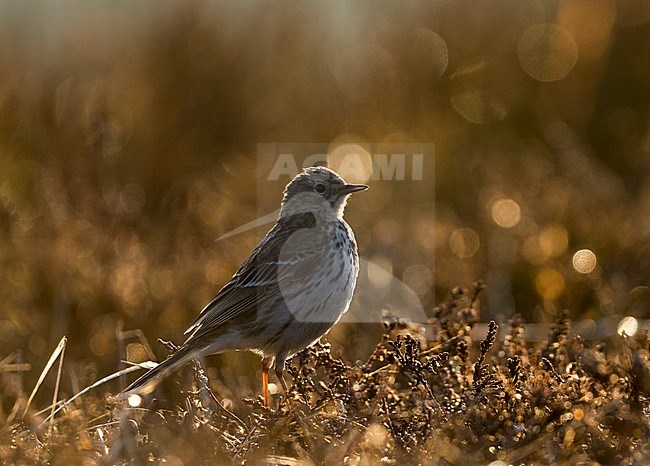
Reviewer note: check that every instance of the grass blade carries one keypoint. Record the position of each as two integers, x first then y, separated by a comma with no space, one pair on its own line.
59,349
108,378
58,382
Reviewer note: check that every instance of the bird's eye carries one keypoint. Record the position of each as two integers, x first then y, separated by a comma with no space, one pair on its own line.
320,188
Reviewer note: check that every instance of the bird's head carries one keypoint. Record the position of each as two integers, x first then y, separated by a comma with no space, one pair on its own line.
318,190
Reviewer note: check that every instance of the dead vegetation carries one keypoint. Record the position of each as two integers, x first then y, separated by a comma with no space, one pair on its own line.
424,395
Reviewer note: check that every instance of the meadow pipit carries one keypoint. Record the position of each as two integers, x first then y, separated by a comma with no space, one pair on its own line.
292,289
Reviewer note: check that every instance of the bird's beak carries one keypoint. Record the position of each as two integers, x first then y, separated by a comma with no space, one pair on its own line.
352,188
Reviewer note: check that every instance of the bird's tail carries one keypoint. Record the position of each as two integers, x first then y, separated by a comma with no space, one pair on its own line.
180,357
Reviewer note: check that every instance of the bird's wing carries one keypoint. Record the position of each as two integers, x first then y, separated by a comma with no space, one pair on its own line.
257,278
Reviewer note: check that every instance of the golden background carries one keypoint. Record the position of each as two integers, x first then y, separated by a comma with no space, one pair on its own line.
128,144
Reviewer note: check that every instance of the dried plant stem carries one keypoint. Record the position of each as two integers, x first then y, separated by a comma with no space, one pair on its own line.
55,396
94,385
57,351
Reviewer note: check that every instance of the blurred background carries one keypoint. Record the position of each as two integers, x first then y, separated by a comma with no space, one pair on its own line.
128,145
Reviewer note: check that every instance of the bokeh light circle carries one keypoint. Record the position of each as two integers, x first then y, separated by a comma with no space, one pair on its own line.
547,52
484,89
628,326
506,213
584,261
419,278
464,242
429,51
352,161
134,400
554,240
549,283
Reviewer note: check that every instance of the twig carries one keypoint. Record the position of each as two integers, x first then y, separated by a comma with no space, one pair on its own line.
204,387
203,384
244,442
437,347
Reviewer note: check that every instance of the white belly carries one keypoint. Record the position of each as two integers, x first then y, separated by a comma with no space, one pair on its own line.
326,292
320,289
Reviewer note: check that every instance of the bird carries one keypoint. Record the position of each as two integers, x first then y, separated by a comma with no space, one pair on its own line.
295,285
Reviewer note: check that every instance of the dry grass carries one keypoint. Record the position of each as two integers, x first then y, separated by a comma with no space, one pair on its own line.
416,399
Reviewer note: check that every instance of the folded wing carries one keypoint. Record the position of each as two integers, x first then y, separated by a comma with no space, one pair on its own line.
285,248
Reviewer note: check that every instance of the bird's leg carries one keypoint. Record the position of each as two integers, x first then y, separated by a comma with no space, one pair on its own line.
266,365
279,371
